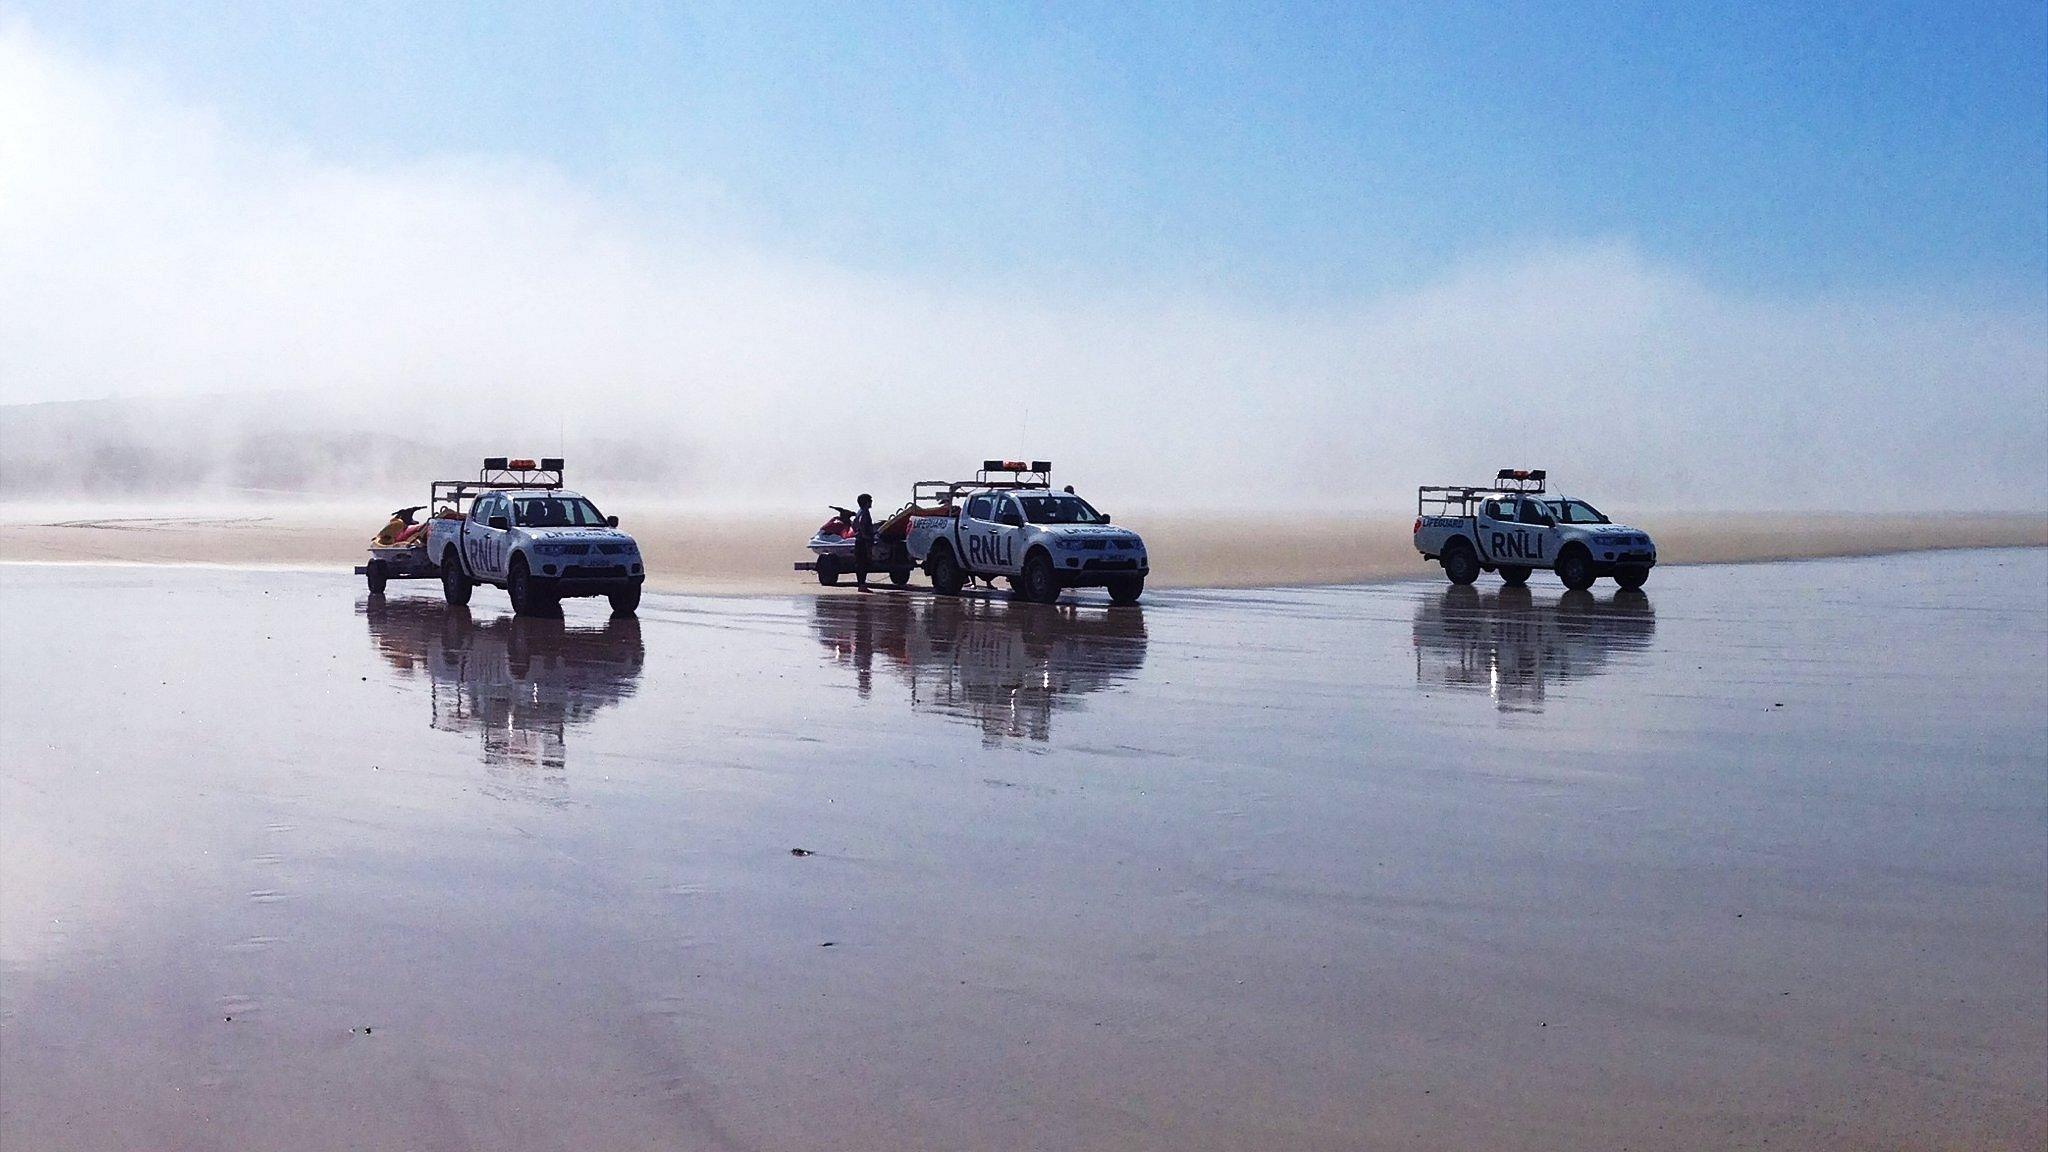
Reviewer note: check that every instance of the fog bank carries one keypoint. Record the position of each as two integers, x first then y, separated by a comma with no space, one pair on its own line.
301,315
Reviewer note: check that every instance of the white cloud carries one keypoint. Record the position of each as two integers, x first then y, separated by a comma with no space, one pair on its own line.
147,250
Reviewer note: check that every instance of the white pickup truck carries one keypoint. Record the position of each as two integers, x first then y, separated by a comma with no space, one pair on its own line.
1010,523
1514,526
516,527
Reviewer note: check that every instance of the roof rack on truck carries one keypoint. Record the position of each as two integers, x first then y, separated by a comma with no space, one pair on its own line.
1457,499
1006,474
500,472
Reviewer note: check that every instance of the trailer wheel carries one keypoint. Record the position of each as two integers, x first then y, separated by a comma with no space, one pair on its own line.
1038,582
626,601
1514,575
828,570
1460,562
455,583
947,577
900,577
1126,589
1575,568
1632,576
376,577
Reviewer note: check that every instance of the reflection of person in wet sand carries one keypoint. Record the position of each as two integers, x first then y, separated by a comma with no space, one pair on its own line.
1513,644
1007,664
517,681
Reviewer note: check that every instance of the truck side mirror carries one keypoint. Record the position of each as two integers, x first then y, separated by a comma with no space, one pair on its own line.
611,521
1105,517
500,523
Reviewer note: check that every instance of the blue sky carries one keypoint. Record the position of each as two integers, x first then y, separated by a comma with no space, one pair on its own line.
1286,153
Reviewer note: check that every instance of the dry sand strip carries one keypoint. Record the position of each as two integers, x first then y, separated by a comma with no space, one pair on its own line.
727,554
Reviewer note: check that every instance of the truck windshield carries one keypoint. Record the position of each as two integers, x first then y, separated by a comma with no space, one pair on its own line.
1575,512
1058,509
557,512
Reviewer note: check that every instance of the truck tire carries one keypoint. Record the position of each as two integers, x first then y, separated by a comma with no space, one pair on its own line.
625,601
1461,562
1514,575
1632,576
1575,568
527,597
1126,589
376,577
900,577
947,576
1038,582
828,571
455,583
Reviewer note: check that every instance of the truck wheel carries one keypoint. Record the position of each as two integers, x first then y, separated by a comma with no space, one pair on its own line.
1126,589
527,598
1575,568
376,577
828,571
947,578
1460,562
626,601
900,577
1632,576
1514,575
1038,582
455,583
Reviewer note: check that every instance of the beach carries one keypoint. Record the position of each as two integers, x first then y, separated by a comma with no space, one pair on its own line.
727,553
1751,859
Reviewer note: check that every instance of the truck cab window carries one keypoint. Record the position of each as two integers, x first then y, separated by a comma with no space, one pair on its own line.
1533,513
1576,512
1059,509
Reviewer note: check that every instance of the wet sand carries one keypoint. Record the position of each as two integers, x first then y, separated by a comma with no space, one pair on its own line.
1754,860
724,554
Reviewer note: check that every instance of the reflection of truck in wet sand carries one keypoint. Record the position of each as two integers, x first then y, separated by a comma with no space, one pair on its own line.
516,527
1513,526
1007,665
1009,523
519,682
1513,645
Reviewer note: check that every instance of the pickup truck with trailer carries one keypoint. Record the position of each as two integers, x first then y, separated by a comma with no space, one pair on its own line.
1010,523
516,527
1514,526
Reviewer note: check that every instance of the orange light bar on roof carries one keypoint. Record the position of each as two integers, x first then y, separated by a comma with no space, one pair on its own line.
519,465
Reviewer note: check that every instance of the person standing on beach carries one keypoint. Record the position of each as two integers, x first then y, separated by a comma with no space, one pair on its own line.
863,540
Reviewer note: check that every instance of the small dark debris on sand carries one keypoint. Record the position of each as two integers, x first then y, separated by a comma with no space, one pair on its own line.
801,852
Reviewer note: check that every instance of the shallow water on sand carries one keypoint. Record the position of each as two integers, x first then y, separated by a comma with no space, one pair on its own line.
1761,855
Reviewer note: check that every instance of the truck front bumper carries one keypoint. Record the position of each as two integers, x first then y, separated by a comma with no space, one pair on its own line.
1605,561
591,580
1098,570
